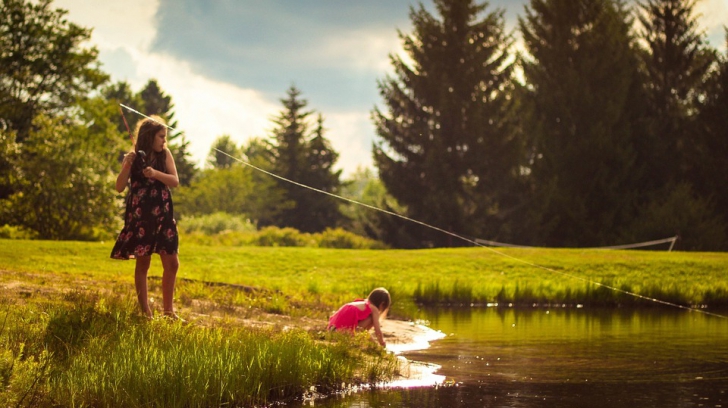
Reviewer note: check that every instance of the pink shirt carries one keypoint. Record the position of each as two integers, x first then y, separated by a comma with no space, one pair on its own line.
349,316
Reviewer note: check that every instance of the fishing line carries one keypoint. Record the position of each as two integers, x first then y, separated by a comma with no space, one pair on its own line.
626,292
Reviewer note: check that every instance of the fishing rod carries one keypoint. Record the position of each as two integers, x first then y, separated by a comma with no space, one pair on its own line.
523,261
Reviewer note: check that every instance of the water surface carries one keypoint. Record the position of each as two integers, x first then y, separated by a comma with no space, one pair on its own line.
566,357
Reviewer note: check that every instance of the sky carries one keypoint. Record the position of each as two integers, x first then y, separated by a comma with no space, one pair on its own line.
228,63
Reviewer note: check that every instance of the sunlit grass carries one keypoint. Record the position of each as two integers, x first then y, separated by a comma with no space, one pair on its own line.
305,281
95,350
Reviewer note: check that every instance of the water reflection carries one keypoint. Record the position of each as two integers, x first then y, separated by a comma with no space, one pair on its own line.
567,358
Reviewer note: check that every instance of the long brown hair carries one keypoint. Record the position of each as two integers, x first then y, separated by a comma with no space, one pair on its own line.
146,129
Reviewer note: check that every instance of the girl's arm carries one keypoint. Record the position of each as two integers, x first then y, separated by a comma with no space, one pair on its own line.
169,178
377,327
123,177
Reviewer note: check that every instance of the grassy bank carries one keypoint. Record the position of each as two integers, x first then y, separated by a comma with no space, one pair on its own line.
70,334
90,348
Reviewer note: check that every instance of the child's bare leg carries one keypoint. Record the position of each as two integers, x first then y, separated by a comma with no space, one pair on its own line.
140,281
366,324
170,263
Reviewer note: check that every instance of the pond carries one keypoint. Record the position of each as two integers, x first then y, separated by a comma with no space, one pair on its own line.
565,357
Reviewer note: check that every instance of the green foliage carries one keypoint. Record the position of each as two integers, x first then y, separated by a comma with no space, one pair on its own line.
583,93
339,238
675,62
215,223
284,237
221,151
365,187
246,235
226,190
63,187
449,151
677,210
305,157
710,172
16,232
43,64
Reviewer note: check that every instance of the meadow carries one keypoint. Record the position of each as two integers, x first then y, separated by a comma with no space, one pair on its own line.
70,334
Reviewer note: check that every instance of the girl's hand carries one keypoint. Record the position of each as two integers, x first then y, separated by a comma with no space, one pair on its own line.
128,160
149,172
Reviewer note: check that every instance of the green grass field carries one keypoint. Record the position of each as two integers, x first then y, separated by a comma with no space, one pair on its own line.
328,277
71,335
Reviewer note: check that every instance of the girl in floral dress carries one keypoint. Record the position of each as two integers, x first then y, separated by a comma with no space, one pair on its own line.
149,225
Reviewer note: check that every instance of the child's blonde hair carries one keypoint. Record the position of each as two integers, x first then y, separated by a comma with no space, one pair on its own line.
380,298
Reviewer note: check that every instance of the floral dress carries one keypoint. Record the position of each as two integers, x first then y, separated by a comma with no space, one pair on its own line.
149,225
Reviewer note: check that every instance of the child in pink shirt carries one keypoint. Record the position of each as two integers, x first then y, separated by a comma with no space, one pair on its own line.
363,314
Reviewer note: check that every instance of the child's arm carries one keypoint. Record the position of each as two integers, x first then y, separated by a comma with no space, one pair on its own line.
377,327
123,176
169,178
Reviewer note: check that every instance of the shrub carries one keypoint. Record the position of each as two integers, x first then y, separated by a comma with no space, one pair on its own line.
339,238
16,232
216,223
284,237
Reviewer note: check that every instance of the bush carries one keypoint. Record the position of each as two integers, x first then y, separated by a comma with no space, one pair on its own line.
216,223
232,230
15,232
285,237
339,238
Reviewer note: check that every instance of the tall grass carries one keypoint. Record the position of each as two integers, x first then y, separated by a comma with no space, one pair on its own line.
89,350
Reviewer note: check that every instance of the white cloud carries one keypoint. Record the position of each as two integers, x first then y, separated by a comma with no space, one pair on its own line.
206,109
713,16
115,23
350,134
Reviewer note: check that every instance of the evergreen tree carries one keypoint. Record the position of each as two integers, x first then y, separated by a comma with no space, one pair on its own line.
121,93
449,152
675,62
321,211
305,161
711,148
583,94
219,160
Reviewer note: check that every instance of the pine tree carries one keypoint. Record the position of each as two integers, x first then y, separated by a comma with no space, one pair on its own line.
322,211
305,161
583,88
448,150
227,146
121,93
675,62
711,147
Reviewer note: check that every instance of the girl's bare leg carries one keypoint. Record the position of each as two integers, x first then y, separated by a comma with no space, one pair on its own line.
170,263
140,281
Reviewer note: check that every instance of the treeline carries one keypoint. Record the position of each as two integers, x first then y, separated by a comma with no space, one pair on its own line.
610,127
603,130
